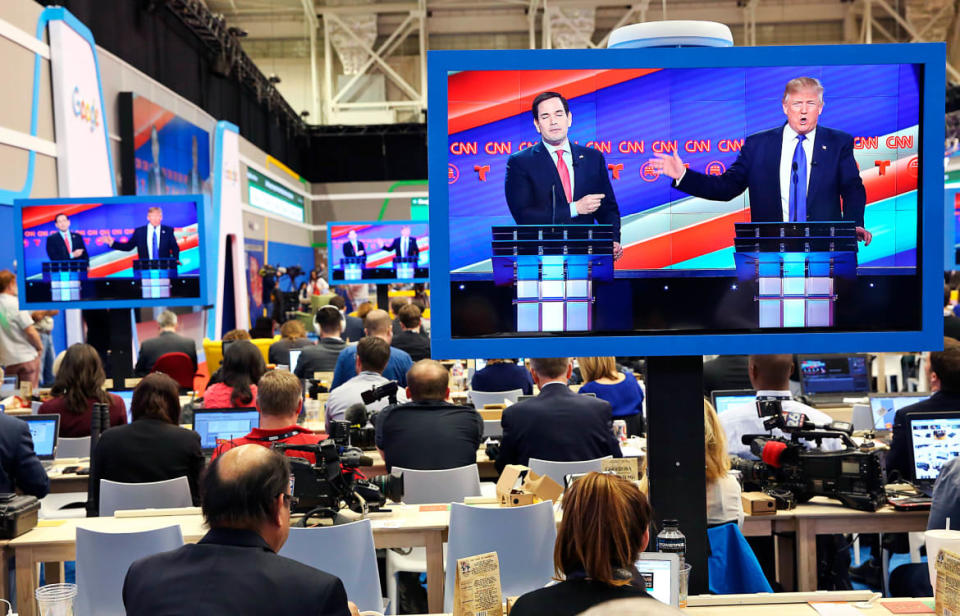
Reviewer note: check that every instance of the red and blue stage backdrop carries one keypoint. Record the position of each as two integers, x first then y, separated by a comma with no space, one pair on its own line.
705,114
377,237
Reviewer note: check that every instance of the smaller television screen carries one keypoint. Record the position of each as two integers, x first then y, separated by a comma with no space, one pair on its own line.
935,440
117,252
834,374
378,252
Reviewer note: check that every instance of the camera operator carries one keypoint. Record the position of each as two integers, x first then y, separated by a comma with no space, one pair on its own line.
278,399
943,374
428,433
372,356
770,376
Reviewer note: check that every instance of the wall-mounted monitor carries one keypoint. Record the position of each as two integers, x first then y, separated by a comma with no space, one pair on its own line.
378,252
683,214
118,252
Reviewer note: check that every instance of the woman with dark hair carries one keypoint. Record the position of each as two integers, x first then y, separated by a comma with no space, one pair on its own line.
604,529
241,369
76,388
153,447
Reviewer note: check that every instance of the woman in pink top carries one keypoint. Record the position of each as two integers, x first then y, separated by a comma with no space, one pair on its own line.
242,367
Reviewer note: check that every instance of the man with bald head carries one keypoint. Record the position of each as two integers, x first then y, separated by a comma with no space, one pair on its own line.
428,433
770,376
234,568
377,323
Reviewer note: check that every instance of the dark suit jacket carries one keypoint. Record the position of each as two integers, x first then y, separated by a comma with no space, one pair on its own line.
575,596
168,248
533,187
57,248
321,357
230,572
354,329
833,176
412,250
414,343
19,466
726,372
429,435
165,342
557,425
899,458
348,249
147,450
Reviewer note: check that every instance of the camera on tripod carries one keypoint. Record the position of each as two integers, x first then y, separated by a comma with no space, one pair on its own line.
853,475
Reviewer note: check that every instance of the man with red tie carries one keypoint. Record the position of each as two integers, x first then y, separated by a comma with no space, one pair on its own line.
64,245
558,182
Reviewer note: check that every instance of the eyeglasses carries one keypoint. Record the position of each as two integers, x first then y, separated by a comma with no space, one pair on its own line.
291,501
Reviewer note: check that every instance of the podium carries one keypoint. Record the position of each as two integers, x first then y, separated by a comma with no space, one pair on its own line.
353,267
65,278
155,276
795,267
553,268
406,266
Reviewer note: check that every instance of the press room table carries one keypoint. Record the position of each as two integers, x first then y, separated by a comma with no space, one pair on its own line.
54,542
823,516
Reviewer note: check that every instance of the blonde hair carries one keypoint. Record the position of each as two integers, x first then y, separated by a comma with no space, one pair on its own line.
803,83
293,329
593,368
714,443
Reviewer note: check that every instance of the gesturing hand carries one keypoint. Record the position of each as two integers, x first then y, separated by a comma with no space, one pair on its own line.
669,164
589,204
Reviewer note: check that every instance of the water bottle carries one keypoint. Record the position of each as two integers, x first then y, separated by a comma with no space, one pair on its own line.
671,540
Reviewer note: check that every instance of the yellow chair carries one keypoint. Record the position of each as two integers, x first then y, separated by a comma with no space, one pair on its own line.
213,349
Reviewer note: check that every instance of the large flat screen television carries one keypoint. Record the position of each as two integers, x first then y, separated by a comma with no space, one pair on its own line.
759,245
118,252
378,251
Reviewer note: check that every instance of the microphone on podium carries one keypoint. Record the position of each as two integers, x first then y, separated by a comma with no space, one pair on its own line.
553,196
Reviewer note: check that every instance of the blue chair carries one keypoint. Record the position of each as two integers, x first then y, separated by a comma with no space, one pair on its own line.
345,551
103,560
733,568
522,537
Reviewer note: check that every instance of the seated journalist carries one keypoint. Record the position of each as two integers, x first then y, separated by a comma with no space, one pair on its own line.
502,375
235,568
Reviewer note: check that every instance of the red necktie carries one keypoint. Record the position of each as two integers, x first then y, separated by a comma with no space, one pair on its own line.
564,176
66,240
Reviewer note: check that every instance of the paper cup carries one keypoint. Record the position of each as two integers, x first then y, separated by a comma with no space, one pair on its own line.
939,539
56,599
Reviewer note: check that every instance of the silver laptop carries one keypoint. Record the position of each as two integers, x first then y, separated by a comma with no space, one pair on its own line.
660,572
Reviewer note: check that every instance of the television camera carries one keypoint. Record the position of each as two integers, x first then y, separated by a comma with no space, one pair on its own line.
790,471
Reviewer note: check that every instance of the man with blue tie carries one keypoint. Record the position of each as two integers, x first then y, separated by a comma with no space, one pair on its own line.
404,246
558,182
797,172
65,244
151,241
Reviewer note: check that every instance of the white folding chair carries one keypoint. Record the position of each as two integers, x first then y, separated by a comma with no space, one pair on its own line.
73,447
345,551
166,494
481,398
558,470
103,560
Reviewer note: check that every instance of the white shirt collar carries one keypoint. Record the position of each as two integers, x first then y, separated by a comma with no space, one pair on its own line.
774,393
791,135
565,146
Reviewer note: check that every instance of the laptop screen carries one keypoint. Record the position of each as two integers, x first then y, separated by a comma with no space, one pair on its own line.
223,424
660,579
294,359
43,430
884,408
127,396
724,399
834,374
935,439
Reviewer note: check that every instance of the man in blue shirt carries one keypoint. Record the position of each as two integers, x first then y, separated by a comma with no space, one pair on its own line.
378,324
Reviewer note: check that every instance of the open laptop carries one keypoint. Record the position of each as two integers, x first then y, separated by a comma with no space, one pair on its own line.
660,572
883,407
45,430
127,396
934,441
294,359
827,379
223,424
723,399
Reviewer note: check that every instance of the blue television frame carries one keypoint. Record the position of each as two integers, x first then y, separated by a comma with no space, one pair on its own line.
202,204
950,189
340,223
932,57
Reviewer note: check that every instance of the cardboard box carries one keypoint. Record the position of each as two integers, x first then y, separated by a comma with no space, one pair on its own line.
758,503
518,486
494,414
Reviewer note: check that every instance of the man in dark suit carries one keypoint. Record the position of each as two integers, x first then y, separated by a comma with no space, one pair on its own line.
322,357
20,469
65,244
943,373
411,339
168,341
796,172
404,246
558,424
353,247
151,241
558,182
353,326
246,503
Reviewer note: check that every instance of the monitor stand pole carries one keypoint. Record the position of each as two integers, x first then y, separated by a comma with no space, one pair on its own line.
383,297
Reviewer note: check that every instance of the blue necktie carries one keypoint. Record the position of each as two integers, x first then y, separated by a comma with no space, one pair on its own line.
798,183
156,243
